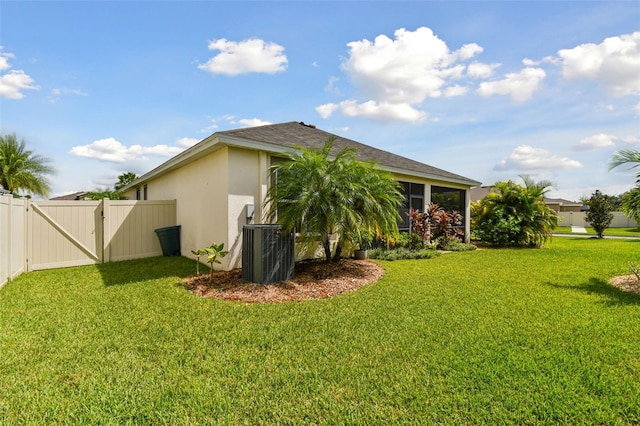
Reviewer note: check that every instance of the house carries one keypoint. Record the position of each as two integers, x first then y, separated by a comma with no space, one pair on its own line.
76,196
221,182
559,205
4,191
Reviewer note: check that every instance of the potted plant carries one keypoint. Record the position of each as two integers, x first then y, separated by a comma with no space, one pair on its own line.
364,241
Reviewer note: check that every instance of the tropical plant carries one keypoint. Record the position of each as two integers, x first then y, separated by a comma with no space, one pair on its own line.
600,213
124,179
214,252
630,204
317,195
515,215
21,169
436,224
626,156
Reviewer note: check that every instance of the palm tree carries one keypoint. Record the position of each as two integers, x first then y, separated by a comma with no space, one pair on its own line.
21,169
318,196
515,215
124,179
625,156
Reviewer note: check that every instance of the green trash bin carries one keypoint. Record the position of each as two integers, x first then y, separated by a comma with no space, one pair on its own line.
169,240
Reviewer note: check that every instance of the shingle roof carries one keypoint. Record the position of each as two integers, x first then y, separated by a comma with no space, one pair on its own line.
294,134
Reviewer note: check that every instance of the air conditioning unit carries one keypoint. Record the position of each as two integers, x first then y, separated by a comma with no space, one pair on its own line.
267,254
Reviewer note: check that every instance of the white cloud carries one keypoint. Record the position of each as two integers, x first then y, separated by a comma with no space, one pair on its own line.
530,62
526,157
111,150
406,70
630,139
59,92
371,109
4,59
520,86
456,90
253,122
481,70
325,110
13,82
248,56
599,141
468,51
394,76
187,142
614,63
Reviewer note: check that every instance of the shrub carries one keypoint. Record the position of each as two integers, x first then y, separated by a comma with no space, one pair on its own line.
514,215
401,254
436,224
456,245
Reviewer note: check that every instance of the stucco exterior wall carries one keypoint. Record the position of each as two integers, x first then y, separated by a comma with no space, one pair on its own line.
200,189
246,187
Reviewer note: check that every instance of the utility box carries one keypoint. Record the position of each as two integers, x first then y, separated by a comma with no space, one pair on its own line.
267,254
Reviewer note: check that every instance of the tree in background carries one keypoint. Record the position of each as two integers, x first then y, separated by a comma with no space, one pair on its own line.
125,179
317,196
21,169
630,203
600,213
514,215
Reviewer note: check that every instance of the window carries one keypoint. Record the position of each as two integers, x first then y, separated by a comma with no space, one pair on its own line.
144,189
413,199
450,199
137,193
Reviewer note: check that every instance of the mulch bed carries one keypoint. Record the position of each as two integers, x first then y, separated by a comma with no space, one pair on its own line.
626,283
314,279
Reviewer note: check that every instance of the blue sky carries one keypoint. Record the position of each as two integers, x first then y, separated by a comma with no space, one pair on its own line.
488,90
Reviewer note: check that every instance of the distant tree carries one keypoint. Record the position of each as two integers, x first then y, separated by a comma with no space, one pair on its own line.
317,195
99,195
600,213
124,179
626,156
630,204
514,215
21,169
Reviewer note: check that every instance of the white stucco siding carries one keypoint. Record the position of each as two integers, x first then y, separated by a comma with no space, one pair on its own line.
247,170
200,188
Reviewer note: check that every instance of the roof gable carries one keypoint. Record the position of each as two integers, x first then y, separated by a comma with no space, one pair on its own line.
285,137
293,134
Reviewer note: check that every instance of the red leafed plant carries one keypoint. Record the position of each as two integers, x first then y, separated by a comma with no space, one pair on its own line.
436,225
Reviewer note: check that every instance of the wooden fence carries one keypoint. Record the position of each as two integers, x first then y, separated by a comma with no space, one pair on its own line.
54,234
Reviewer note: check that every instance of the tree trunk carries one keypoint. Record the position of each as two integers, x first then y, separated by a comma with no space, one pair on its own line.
327,247
338,253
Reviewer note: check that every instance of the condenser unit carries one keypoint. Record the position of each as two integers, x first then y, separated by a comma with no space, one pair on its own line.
267,254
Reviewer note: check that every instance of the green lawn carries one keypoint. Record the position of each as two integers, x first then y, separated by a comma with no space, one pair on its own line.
622,232
508,336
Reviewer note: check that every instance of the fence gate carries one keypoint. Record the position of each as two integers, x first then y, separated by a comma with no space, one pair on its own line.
64,234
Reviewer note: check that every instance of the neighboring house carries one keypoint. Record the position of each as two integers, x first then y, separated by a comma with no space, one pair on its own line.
559,205
70,197
4,191
221,182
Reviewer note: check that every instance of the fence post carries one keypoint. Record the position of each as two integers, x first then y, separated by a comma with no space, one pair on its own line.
106,230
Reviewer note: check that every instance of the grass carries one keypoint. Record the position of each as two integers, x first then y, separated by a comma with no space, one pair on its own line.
507,336
621,232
